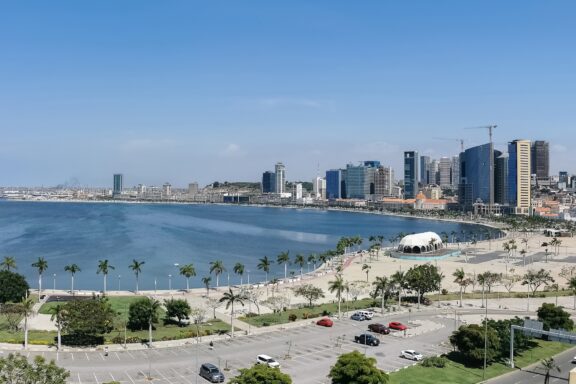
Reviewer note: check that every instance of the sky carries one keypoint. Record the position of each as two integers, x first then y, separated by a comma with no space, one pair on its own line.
183,91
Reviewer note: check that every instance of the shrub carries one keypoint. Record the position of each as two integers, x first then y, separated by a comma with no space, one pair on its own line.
444,291
305,315
435,361
251,314
80,339
292,317
326,313
265,324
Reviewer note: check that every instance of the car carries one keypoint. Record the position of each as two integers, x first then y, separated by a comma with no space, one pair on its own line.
379,328
397,326
265,359
211,373
358,316
325,322
367,314
411,354
367,339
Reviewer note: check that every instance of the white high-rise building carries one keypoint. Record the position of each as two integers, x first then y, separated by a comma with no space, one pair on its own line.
319,186
280,178
298,191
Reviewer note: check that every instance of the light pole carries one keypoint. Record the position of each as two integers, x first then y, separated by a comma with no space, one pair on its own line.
485,337
54,287
228,279
119,277
169,282
248,277
155,284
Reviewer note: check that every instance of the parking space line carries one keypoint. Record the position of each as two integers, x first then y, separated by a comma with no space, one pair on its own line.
131,355
113,379
180,375
72,355
164,377
130,377
87,358
79,380
117,355
95,377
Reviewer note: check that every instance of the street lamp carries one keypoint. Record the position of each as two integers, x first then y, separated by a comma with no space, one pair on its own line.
54,287
155,284
248,277
119,277
169,282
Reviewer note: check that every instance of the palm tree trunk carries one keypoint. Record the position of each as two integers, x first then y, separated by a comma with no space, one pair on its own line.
26,331
241,280
59,336
217,280
39,286
460,296
136,283
150,333
232,321
339,301
72,288
105,278
382,302
187,284
285,270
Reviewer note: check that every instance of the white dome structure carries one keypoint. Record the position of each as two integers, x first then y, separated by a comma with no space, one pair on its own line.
420,243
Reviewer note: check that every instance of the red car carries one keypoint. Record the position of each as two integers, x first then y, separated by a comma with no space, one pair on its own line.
325,322
397,325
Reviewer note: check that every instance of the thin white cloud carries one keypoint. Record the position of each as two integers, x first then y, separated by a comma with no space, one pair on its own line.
232,150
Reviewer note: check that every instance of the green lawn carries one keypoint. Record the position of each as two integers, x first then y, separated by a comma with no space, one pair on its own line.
314,312
496,295
457,373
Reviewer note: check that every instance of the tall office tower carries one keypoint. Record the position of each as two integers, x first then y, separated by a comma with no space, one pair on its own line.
540,159
445,172
319,187
383,182
519,176
118,186
476,176
268,182
424,169
167,189
359,180
193,188
334,184
433,172
501,179
280,178
455,171
563,177
411,174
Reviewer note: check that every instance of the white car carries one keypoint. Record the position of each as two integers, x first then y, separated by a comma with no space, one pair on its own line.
265,359
367,314
411,354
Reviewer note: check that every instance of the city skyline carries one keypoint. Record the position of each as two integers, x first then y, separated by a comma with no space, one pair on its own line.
185,91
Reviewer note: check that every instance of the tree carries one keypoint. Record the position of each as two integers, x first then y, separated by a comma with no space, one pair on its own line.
284,258
548,365
502,327
337,286
73,269
104,267
554,317
355,368
57,314
261,374
382,287
136,267
366,268
16,369
300,261
239,270
8,263
309,292
230,298
13,287
535,279
277,303
206,281
213,302
188,271
217,267
423,279
178,308
489,279
27,306
141,313
509,281
398,279
88,317
460,278
264,265
41,265
469,340
312,259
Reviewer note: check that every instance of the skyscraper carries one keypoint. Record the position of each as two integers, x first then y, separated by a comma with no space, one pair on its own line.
268,182
424,169
411,174
519,176
501,179
334,184
319,187
476,176
383,182
540,159
280,178
118,186
445,172
455,171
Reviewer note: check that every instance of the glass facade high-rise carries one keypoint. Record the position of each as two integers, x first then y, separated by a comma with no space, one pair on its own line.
411,174
268,182
540,159
424,170
280,178
355,181
118,184
445,172
476,176
519,176
501,179
334,184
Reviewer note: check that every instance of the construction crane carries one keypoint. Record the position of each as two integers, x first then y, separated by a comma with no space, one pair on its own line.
451,138
488,127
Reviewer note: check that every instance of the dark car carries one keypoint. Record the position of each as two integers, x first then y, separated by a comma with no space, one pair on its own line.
211,373
367,339
379,328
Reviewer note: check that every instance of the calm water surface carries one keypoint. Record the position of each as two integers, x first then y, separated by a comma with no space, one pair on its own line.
165,235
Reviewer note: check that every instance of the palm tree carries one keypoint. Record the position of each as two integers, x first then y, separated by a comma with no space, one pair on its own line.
136,266
230,298
8,263
382,286
188,271
72,268
104,267
548,365
460,277
264,265
206,281
337,286
217,267
312,259
239,270
41,265
151,311
27,307
300,261
284,258
572,286
523,253
57,315
399,280
366,268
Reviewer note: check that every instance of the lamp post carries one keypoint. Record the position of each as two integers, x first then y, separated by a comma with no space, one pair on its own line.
54,286
119,277
169,282
248,271
155,284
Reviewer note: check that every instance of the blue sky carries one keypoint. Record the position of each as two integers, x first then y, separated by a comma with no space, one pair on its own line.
185,91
